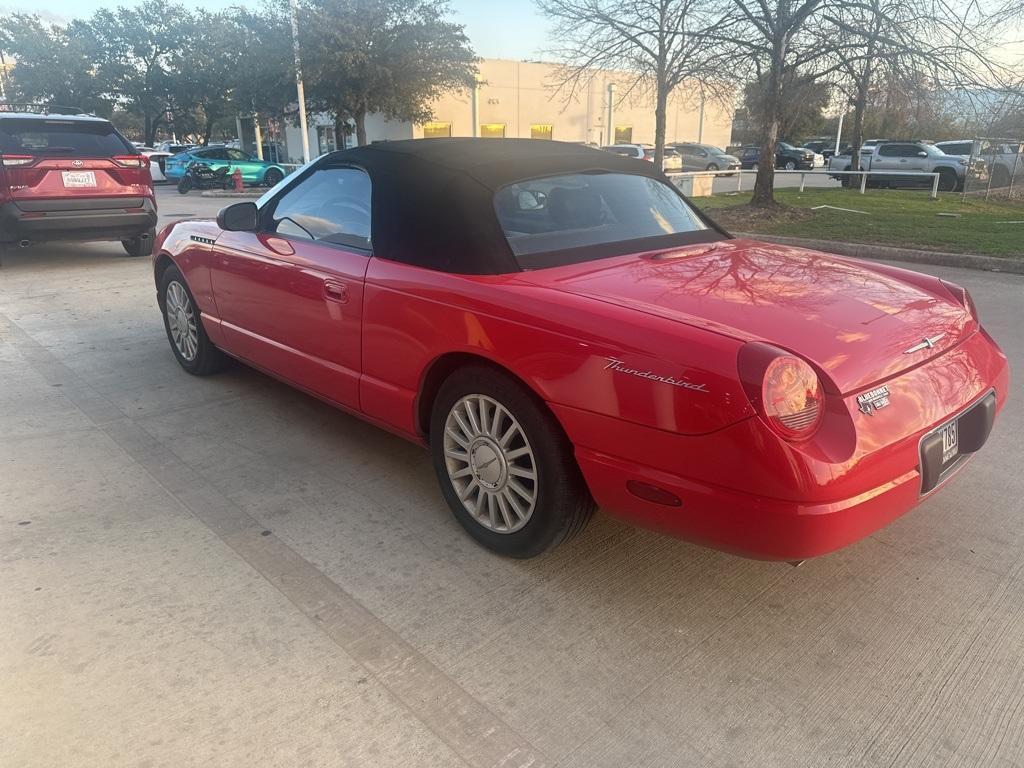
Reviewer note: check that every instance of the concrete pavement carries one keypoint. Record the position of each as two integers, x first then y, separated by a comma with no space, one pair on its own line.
225,572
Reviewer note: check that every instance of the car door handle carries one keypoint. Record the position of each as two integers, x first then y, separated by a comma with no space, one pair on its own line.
336,291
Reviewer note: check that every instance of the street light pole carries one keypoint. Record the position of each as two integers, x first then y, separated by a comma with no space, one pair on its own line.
299,87
839,131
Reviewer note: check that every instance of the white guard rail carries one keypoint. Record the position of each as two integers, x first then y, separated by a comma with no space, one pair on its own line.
819,172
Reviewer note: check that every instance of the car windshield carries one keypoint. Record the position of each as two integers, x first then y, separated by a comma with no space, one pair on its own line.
784,145
545,218
42,136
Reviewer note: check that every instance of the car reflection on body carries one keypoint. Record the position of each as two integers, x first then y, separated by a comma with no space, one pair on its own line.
564,331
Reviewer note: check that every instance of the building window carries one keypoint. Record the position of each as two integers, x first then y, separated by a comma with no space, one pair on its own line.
437,130
623,134
325,141
492,130
540,131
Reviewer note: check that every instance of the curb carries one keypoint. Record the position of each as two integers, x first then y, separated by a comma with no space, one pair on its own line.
865,251
228,193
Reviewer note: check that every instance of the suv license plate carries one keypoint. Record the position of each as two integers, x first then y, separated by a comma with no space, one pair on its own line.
79,178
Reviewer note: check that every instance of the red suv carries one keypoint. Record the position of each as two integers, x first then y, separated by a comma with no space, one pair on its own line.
72,177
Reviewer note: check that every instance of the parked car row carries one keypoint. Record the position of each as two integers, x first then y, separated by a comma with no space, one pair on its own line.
681,156
561,328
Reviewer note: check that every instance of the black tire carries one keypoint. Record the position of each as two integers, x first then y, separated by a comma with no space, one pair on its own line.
711,167
141,245
184,185
207,358
754,166
790,165
562,505
948,181
272,177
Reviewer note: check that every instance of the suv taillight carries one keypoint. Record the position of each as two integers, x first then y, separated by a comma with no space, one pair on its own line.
784,389
16,161
131,161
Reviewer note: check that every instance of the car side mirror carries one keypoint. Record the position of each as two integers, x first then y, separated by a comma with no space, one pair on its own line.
922,153
239,217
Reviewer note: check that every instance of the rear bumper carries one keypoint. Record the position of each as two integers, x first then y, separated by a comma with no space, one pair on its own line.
744,491
83,219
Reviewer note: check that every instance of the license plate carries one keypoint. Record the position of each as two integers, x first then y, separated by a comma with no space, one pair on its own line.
79,178
950,442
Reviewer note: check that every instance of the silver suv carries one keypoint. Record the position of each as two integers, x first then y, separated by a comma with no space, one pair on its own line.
1003,161
704,157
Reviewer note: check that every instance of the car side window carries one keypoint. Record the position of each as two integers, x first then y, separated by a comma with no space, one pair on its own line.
238,155
890,150
331,205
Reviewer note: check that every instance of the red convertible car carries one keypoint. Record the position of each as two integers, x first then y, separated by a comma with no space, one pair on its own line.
565,332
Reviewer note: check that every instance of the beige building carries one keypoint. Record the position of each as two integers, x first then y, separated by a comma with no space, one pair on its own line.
520,99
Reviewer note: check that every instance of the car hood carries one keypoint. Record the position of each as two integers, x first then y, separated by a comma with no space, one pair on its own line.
855,323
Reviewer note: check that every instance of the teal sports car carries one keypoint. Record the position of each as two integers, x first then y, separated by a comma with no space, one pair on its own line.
255,172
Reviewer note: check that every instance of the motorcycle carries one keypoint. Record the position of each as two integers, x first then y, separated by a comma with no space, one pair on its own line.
201,176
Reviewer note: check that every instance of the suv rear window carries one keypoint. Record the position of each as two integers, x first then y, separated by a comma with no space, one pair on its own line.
544,219
55,137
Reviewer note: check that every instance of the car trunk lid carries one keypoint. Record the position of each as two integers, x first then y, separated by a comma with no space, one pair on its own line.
860,326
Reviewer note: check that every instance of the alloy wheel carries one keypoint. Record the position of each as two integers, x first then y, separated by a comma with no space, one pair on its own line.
490,463
181,320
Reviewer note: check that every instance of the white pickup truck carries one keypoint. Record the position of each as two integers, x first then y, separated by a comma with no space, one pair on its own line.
911,157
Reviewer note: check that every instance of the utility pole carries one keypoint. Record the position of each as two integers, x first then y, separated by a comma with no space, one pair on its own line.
700,125
299,87
611,113
475,107
3,76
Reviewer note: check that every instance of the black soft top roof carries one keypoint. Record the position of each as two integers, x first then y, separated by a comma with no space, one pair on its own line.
433,199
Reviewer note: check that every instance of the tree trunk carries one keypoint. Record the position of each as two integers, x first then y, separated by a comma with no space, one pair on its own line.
860,104
360,118
150,130
340,126
660,114
764,185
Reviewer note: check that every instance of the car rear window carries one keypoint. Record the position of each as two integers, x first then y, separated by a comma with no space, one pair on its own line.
55,137
556,219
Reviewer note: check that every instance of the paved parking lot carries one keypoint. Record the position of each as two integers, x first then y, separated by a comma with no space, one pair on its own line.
225,572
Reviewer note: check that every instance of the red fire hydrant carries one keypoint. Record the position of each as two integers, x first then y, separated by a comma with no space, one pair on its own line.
237,178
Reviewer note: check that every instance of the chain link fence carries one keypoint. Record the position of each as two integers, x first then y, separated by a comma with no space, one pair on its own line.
995,166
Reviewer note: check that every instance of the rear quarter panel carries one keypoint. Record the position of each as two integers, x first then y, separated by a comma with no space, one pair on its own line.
561,346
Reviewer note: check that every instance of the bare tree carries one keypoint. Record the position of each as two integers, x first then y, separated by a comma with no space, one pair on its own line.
913,46
657,44
774,42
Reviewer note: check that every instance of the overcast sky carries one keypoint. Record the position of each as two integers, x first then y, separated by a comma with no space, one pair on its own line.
508,30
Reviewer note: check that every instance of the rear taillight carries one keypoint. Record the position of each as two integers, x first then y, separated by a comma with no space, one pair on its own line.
131,161
16,161
784,389
792,399
962,297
